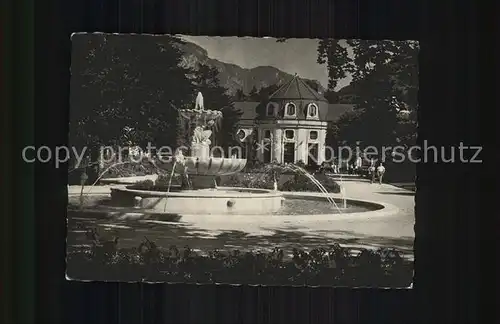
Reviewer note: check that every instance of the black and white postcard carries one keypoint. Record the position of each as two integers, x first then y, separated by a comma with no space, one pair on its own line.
242,160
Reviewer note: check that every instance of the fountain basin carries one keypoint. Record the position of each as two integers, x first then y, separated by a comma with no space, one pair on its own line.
298,209
202,114
211,166
225,200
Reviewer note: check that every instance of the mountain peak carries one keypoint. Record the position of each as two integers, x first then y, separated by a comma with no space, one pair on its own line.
234,77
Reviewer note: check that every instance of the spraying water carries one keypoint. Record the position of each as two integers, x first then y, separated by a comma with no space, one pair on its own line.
111,167
318,185
342,192
297,169
169,185
97,180
267,168
104,172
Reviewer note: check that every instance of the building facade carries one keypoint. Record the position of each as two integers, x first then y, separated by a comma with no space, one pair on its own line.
290,126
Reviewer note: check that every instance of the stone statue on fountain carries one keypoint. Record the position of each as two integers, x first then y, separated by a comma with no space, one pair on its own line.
201,135
204,119
198,105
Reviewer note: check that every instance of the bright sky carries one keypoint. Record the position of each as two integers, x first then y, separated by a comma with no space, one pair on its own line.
293,56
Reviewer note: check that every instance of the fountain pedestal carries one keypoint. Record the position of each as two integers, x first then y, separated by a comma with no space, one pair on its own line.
202,181
200,150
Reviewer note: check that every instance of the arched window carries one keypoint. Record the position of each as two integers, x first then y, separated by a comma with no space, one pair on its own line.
313,135
270,109
289,134
290,109
312,110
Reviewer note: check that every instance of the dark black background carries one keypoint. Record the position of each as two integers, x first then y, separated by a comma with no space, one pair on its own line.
448,196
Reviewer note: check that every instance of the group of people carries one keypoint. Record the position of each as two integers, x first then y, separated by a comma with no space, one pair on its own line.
349,168
376,173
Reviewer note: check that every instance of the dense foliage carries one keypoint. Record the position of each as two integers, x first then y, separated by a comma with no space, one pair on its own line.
287,180
383,91
164,183
130,170
331,266
302,183
126,91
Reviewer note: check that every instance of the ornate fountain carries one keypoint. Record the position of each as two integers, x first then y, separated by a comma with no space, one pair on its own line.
199,193
200,168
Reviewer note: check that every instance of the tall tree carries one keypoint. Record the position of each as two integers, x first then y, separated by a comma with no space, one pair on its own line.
384,91
342,132
337,61
126,82
240,95
253,95
263,93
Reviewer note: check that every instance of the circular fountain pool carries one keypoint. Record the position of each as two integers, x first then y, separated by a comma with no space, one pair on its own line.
215,202
240,201
234,201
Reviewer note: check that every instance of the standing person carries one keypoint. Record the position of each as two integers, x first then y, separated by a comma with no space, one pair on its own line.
359,164
371,171
380,172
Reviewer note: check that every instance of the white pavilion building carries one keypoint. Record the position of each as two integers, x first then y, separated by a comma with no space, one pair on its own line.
288,127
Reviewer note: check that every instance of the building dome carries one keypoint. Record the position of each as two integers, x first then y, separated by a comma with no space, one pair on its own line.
297,89
296,100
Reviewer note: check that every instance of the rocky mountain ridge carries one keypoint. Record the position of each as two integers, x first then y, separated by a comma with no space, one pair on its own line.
234,77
